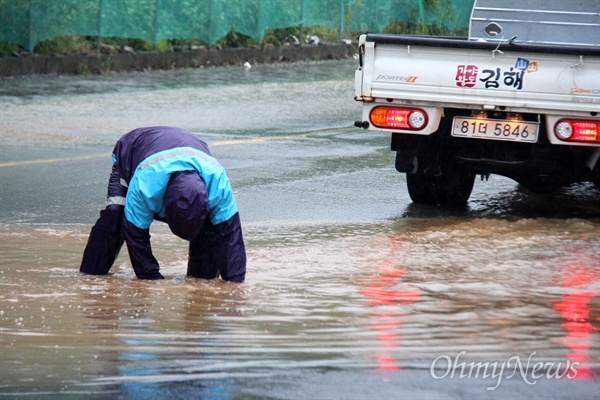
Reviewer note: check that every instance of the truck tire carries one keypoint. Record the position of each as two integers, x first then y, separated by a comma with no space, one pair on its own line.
420,188
446,190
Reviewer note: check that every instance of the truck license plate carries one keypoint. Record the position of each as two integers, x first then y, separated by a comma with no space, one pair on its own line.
495,129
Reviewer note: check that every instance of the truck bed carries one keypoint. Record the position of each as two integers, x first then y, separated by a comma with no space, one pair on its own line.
460,73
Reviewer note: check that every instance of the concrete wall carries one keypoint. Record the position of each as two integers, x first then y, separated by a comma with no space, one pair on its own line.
105,63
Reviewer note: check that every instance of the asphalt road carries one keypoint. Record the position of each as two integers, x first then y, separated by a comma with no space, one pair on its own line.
352,291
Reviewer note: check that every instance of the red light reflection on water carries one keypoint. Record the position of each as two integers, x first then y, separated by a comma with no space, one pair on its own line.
578,272
387,295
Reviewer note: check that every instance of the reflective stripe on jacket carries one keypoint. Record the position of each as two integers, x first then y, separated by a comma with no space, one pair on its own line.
145,196
145,158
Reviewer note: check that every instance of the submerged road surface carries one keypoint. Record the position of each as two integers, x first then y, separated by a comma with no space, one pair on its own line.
352,291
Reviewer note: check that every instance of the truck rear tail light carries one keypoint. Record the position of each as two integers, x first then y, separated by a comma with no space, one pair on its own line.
398,118
570,130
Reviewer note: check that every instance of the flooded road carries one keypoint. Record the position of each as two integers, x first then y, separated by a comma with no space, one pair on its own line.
352,291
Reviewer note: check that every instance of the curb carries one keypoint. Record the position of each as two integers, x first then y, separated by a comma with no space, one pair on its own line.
105,63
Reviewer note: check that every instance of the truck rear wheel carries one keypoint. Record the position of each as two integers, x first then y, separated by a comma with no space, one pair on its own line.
446,190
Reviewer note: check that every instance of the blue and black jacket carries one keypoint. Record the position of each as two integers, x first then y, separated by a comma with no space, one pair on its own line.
143,162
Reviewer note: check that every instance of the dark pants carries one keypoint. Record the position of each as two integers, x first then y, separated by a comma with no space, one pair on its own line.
104,243
219,249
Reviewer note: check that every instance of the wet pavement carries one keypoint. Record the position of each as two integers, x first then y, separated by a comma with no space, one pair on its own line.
352,291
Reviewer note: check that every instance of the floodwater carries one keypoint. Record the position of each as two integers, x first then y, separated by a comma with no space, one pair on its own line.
352,291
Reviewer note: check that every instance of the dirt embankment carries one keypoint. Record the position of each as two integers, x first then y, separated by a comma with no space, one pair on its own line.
141,61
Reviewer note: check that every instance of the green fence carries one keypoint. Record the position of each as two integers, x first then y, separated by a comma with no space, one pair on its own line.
27,22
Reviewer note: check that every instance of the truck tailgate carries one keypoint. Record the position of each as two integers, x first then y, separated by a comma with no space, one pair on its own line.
467,74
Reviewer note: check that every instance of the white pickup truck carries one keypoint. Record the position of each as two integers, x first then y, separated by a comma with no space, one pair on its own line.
520,97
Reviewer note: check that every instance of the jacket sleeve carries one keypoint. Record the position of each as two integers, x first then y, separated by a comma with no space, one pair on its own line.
230,250
140,252
219,249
